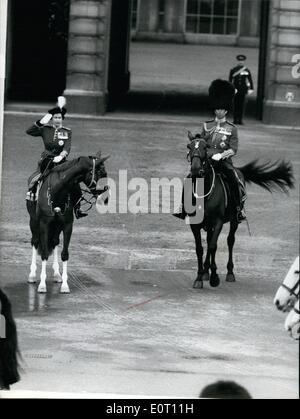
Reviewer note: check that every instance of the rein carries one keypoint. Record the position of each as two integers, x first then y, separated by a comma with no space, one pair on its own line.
211,188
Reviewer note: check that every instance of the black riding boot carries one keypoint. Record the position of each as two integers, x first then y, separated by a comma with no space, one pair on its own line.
228,169
76,196
235,190
181,213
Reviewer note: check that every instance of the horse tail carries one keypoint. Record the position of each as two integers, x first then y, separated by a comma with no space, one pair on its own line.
270,176
9,351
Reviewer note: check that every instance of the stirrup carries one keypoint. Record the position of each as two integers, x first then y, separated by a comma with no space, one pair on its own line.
79,213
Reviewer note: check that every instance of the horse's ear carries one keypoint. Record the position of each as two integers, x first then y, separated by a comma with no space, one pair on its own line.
103,159
190,136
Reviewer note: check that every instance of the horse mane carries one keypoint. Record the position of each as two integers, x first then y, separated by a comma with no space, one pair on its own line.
65,166
9,351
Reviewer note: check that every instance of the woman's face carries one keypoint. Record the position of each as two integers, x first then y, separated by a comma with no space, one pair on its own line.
220,113
57,119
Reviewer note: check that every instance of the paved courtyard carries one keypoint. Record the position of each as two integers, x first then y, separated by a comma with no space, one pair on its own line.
133,324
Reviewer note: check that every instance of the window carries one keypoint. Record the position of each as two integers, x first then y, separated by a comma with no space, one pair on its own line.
212,16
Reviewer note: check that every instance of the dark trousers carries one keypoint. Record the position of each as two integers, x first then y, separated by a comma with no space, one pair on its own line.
239,107
227,168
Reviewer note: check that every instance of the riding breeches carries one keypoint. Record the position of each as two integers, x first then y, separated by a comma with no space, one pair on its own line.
227,168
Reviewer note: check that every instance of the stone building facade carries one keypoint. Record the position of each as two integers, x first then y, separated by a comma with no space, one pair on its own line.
92,48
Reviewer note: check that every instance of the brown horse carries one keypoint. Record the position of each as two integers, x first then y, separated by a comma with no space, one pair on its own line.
217,213
52,213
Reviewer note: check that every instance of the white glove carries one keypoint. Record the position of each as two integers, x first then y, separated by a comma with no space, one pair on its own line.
217,156
46,118
57,159
250,91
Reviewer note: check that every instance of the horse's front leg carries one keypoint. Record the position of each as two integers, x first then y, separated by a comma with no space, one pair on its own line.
230,277
207,258
214,279
44,255
55,266
198,283
33,266
65,257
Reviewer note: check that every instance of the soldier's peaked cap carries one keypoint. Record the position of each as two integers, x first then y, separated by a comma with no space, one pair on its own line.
221,94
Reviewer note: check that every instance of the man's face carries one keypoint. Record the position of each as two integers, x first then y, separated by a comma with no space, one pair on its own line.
57,119
220,113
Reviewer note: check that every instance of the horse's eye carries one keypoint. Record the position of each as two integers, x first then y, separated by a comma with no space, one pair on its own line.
189,146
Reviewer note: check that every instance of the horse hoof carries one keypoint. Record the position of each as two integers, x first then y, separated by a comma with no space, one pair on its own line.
42,289
31,280
230,278
204,276
214,280
198,284
65,290
57,279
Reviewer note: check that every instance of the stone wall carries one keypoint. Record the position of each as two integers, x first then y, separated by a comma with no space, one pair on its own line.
88,52
282,89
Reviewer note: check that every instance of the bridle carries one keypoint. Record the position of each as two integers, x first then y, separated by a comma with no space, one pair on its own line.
292,290
196,153
89,197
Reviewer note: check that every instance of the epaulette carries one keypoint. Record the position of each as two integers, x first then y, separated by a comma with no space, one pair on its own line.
68,129
230,123
48,125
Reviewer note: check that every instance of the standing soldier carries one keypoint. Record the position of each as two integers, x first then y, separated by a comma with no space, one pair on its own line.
240,77
57,143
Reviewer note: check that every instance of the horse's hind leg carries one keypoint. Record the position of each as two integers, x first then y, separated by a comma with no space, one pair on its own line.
33,266
230,277
198,283
34,243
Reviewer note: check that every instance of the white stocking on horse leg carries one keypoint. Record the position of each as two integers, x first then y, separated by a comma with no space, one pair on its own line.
55,266
32,275
64,286
42,287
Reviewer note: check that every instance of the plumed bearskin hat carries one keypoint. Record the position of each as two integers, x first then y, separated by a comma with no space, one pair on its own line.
56,110
221,94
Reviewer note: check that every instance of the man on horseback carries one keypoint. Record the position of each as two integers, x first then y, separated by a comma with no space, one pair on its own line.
221,137
57,142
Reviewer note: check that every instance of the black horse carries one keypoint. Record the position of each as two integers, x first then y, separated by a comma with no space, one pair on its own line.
9,351
219,208
52,213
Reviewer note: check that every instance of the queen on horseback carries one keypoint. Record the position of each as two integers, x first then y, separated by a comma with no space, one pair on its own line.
221,137
57,142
